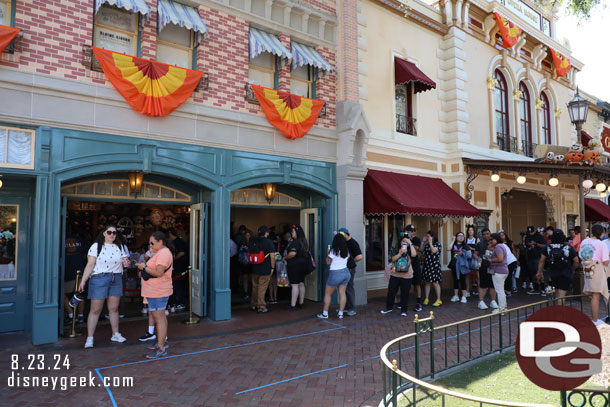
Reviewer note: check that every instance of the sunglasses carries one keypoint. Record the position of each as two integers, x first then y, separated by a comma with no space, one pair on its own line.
151,243
111,232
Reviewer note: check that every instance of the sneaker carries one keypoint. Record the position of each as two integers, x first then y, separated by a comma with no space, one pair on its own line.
144,311
147,337
180,307
482,305
253,308
531,291
531,286
464,300
467,294
493,304
299,306
340,316
599,322
398,306
543,293
403,314
157,346
386,311
418,307
80,319
351,313
508,295
117,337
322,316
89,343
426,301
437,303
524,286
172,309
455,298
263,310
495,310
475,292
157,353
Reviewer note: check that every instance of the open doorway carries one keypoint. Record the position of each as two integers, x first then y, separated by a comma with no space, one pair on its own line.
521,209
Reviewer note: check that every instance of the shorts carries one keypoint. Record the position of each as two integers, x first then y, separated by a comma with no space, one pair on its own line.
157,304
485,280
338,277
561,282
69,286
104,285
417,277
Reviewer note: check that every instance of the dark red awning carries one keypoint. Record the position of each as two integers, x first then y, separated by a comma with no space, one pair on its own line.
391,193
405,72
596,210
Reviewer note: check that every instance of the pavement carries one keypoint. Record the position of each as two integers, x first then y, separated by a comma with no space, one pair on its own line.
280,359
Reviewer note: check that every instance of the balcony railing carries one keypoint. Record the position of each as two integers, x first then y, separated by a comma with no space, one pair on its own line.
506,143
251,98
528,148
405,124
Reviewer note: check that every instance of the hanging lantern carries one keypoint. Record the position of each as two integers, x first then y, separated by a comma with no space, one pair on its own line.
495,177
600,187
269,190
521,179
587,184
135,182
553,181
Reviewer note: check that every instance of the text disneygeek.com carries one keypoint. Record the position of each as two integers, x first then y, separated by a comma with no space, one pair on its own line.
17,380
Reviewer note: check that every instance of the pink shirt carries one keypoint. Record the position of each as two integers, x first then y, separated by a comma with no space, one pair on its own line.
600,250
161,286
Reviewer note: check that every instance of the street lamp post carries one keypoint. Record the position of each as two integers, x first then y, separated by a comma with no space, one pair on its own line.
578,109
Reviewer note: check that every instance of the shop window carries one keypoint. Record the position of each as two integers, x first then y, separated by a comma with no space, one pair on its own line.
9,216
16,148
547,135
525,112
396,224
374,243
175,46
116,29
503,138
119,188
262,70
256,197
302,82
405,122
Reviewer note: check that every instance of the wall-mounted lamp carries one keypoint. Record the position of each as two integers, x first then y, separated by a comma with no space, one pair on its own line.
553,181
135,182
521,179
269,190
495,177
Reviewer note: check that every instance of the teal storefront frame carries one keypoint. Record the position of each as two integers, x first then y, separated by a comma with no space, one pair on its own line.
64,156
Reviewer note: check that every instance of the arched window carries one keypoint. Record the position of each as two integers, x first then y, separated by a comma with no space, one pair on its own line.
525,119
501,114
546,119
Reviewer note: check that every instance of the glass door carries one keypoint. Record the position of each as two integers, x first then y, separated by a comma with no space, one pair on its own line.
198,258
310,221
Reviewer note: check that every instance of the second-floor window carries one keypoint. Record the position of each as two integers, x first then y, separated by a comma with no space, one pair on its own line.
301,81
116,29
404,108
525,121
16,147
546,119
501,112
175,46
263,71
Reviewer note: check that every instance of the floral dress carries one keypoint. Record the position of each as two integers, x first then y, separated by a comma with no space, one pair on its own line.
432,264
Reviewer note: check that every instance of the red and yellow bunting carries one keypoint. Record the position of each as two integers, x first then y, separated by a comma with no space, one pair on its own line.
509,31
150,87
291,114
7,35
562,63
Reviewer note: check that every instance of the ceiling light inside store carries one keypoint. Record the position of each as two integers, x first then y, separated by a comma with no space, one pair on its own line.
600,187
495,177
553,182
521,179
587,184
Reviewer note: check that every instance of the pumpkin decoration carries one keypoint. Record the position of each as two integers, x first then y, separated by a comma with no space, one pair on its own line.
573,157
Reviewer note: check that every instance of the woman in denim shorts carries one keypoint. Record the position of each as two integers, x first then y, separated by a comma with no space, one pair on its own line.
157,287
339,273
104,271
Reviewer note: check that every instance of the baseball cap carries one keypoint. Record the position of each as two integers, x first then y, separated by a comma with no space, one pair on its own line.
263,229
410,228
531,229
344,230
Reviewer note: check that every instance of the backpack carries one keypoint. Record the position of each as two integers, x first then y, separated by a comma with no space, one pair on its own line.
402,264
256,254
242,256
558,257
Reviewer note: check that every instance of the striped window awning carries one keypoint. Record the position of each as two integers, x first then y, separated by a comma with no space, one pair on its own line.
170,12
135,6
304,55
261,41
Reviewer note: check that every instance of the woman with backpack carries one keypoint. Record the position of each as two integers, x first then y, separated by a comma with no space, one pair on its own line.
472,283
339,275
401,276
510,284
296,257
104,271
460,266
561,260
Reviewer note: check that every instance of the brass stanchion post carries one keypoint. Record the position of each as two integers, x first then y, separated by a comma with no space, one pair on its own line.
192,319
73,333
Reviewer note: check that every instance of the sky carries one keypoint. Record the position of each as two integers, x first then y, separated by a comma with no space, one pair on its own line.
587,41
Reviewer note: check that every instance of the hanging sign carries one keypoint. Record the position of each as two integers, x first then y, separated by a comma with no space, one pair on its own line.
508,30
291,114
605,138
562,63
7,35
150,87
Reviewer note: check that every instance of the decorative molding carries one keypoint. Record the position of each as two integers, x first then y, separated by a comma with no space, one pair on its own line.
558,112
472,175
491,83
517,94
539,104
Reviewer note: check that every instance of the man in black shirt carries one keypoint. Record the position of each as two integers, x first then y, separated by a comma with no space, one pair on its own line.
181,263
534,244
261,249
411,233
355,255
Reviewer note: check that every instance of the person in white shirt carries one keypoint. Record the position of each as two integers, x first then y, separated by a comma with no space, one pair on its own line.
105,261
339,275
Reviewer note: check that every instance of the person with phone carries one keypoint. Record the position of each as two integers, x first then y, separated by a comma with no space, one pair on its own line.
432,267
401,276
338,278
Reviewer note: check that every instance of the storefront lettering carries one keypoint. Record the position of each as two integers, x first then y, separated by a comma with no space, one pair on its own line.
524,11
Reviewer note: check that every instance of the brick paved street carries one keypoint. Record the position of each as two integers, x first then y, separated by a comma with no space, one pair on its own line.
278,359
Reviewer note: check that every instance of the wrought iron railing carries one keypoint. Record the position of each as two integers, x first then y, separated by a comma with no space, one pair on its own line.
251,98
528,148
506,143
430,350
406,124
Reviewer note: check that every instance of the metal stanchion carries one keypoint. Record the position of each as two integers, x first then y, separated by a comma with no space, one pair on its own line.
192,319
73,333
